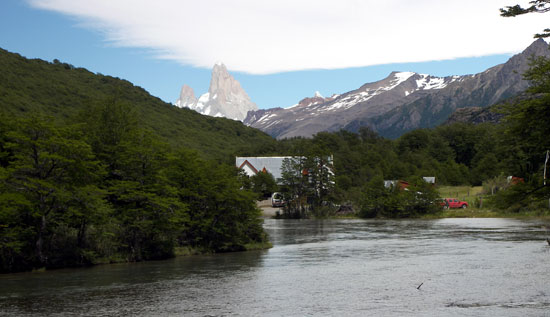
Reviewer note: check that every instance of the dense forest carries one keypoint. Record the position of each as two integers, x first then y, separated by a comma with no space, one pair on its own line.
95,170
104,190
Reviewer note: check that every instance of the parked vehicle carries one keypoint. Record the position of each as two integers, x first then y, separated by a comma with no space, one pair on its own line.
453,203
277,200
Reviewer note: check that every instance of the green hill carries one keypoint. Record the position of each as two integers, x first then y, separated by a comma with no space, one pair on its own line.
63,91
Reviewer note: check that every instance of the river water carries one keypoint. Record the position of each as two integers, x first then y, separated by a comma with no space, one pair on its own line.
447,267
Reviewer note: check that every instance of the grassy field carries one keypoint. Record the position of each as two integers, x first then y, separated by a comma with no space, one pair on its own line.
466,193
478,209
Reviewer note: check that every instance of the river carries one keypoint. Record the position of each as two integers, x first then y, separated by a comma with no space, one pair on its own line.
446,267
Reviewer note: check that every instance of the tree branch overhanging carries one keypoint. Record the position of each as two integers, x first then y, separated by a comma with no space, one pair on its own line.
536,6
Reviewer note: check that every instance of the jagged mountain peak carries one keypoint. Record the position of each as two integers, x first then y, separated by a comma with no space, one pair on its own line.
187,92
187,97
225,97
536,47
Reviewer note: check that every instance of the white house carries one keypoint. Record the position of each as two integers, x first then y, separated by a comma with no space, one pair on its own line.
272,164
252,165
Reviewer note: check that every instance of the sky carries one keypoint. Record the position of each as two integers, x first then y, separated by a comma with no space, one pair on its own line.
280,51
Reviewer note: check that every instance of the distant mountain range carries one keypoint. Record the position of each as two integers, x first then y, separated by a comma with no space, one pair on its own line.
401,102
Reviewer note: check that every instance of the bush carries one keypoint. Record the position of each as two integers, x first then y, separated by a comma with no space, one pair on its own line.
419,198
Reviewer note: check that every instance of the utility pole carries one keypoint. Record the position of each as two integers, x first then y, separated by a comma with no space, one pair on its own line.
545,163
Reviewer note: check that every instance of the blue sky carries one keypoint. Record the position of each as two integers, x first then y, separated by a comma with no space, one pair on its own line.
97,40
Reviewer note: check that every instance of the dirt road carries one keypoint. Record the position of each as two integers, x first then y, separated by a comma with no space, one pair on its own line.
267,210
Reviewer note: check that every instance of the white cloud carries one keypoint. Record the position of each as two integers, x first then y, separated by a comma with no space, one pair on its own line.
270,36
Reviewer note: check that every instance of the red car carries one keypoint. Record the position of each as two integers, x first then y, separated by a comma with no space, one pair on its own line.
453,203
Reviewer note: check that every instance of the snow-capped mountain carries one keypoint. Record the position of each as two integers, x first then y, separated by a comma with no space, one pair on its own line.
402,101
315,114
225,97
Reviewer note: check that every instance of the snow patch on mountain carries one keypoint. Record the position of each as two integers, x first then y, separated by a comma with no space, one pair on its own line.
427,82
400,77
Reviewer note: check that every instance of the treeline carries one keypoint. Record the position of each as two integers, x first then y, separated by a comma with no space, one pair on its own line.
103,189
457,154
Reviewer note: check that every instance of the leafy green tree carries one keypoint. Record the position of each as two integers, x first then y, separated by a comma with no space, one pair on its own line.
376,199
16,249
110,127
321,180
145,201
526,121
414,141
485,168
295,186
419,198
51,169
526,128
263,184
222,215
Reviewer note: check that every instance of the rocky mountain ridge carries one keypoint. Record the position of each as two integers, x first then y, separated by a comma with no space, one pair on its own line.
225,97
401,102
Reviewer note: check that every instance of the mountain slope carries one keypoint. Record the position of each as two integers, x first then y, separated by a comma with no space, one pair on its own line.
61,90
481,90
474,115
329,114
401,102
225,97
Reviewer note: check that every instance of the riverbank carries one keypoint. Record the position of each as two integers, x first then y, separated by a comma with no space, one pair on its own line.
488,213
269,212
189,251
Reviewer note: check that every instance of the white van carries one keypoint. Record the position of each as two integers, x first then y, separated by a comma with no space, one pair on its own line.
277,200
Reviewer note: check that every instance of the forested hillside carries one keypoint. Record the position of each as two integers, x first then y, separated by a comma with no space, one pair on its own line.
63,91
96,170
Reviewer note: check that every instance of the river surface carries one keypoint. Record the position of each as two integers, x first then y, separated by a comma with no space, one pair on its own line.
448,267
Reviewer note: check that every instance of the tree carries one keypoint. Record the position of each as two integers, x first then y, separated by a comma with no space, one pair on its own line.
536,6
295,186
527,120
321,182
52,169
263,184
419,198
221,215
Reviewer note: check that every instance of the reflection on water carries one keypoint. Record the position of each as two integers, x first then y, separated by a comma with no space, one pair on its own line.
468,267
